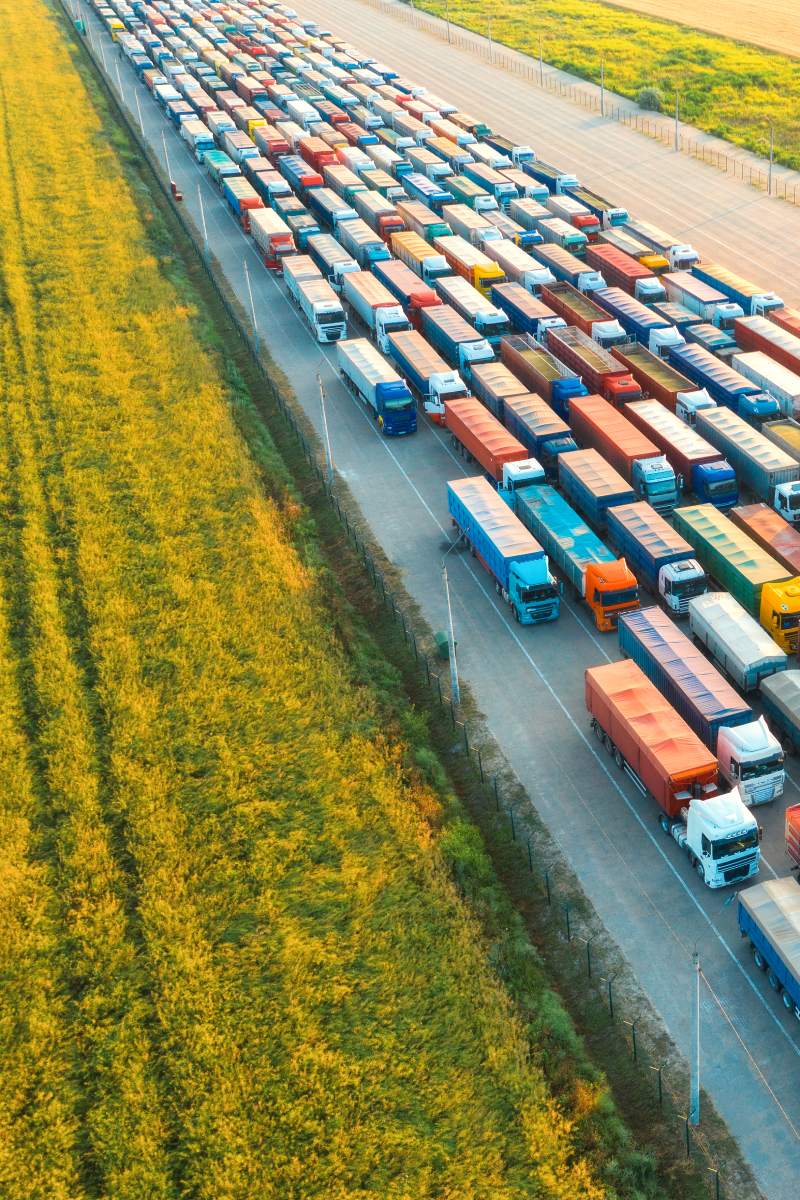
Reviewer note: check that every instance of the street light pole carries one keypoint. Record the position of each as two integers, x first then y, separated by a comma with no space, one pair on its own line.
541,64
602,85
454,684
203,219
328,450
771,157
166,155
489,19
447,17
139,111
250,294
677,133
694,1086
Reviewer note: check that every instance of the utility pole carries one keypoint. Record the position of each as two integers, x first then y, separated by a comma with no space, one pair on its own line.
454,685
447,17
491,55
602,85
694,1086
203,219
541,64
771,157
166,155
677,131
139,111
250,294
326,431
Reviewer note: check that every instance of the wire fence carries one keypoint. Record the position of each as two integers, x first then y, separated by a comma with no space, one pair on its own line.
552,892
541,74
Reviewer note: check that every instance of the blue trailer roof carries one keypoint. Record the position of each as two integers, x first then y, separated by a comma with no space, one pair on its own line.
503,529
694,358
620,304
571,533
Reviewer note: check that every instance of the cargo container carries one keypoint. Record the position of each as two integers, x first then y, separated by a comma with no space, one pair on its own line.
768,915
527,188
760,584
605,583
570,209
343,181
609,215
272,236
241,198
771,377
723,384
469,262
622,271
220,166
787,319
428,375
369,302
316,300
368,375
592,485
359,240
422,220
490,322
480,437
524,311
576,308
565,266
492,181
600,371
469,193
554,179
199,138
656,378
540,371
298,174
431,194
785,435
659,557
638,322
780,696
508,550
418,256
271,142
717,341
542,432
699,466
597,424
771,532
677,315
426,162
652,743
749,756
561,233
758,333
381,215
329,209
622,240
528,213
493,384
473,227
332,260
754,301
792,828
458,343
407,288
516,265
679,255
699,297
769,472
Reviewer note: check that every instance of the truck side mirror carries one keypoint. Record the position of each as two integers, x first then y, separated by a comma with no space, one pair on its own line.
761,833
561,587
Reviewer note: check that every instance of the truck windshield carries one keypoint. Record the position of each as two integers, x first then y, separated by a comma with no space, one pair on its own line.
725,487
400,405
611,599
757,770
794,501
531,595
331,318
789,620
735,845
692,587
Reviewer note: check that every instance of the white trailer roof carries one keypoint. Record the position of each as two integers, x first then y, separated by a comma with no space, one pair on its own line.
775,908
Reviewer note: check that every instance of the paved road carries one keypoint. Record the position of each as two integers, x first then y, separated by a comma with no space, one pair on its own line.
529,682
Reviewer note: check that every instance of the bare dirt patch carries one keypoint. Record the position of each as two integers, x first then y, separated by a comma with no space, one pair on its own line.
774,24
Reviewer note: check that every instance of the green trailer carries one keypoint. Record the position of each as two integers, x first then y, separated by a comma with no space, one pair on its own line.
728,554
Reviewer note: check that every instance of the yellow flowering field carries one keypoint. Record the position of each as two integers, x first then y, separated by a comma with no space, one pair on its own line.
233,961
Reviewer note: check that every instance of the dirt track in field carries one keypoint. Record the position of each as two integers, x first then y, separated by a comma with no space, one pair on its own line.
774,24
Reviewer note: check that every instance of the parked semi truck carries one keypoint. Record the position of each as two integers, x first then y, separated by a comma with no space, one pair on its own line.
419,256
598,424
272,236
767,471
655,747
659,557
768,916
570,209
753,300
699,467
780,697
600,371
458,343
541,371
565,266
542,432
758,581
484,317
723,384
576,308
479,436
407,288
428,375
622,271
750,758
517,265
679,255
604,582
315,298
374,306
609,215
368,375
622,239
716,341
508,550
771,377
638,322
493,383
332,260
423,221
524,311
592,485
758,333
658,379
784,434
744,651
771,532
701,298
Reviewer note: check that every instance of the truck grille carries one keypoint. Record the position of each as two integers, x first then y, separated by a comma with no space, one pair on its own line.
740,871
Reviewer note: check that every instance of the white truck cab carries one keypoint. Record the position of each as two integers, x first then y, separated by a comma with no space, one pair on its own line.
751,758
689,404
721,837
443,385
786,501
520,474
679,581
608,334
660,340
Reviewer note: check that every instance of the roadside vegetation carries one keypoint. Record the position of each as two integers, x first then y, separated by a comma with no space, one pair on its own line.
727,88
249,936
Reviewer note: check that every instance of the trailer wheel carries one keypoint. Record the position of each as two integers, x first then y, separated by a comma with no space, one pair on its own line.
598,733
773,981
663,821
787,1001
701,871
618,759
759,960
609,745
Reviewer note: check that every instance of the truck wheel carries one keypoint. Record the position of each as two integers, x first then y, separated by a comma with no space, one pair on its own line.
701,871
787,1001
692,859
759,960
797,1011
663,821
772,980
609,744
598,733
618,759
